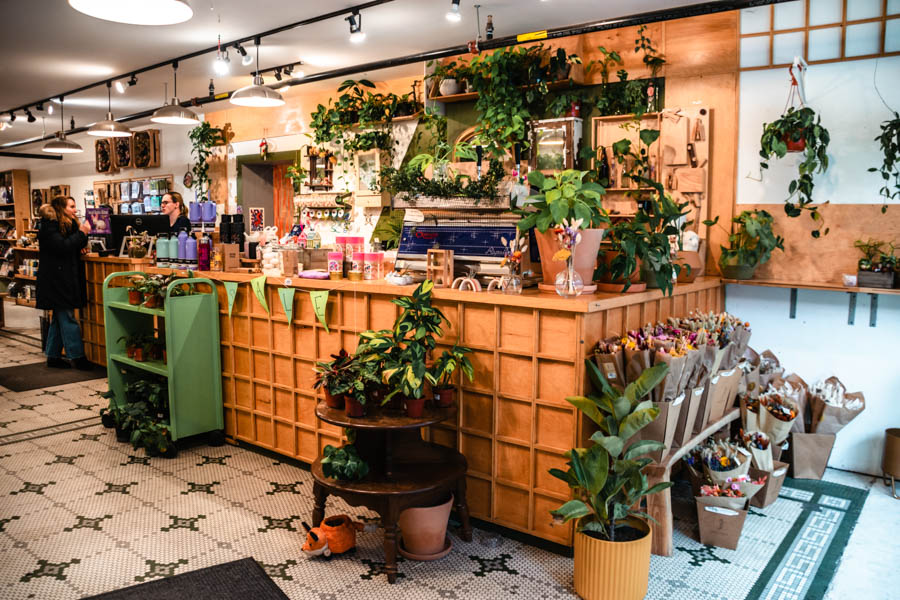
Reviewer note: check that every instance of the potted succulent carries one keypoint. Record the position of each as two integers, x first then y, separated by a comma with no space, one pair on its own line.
440,374
565,197
608,484
750,243
798,130
331,376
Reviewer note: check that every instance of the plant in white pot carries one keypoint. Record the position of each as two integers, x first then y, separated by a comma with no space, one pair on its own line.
612,541
565,197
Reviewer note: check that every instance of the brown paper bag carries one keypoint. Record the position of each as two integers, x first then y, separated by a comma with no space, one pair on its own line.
730,357
613,367
774,480
800,395
776,429
719,477
741,339
724,501
684,431
749,417
826,418
662,429
767,376
722,391
810,454
750,489
668,387
635,363
702,410
691,361
697,478
761,459
720,526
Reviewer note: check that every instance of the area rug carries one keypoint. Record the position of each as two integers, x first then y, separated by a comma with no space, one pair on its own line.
81,515
236,580
22,378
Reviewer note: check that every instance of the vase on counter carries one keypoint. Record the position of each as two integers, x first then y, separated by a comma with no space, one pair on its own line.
569,283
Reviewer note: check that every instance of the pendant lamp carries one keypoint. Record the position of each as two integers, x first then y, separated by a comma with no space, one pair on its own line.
174,113
257,95
136,12
110,127
61,145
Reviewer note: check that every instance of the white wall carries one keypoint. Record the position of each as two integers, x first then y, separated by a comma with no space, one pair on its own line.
844,96
819,343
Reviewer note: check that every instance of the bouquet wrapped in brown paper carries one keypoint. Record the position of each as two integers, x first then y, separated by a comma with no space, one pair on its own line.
609,357
794,389
638,355
832,407
749,413
769,367
723,460
760,448
749,366
776,416
668,388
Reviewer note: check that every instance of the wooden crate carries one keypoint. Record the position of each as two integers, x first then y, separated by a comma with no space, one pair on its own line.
146,149
103,157
123,152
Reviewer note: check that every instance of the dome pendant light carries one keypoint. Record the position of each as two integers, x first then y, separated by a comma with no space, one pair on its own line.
136,12
61,145
257,95
110,127
174,113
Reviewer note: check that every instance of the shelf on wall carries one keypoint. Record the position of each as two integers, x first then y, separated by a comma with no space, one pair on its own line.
826,286
28,303
473,95
25,249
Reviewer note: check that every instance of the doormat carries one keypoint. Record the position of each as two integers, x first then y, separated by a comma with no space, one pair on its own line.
790,549
237,580
37,375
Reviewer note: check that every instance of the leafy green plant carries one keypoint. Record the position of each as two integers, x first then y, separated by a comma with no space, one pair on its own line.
441,372
564,196
889,139
751,241
610,59
297,174
606,478
203,137
652,59
334,375
875,257
343,463
411,180
796,126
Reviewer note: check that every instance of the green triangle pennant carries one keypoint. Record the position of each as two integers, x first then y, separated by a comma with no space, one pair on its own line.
287,301
230,292
320,301
259,288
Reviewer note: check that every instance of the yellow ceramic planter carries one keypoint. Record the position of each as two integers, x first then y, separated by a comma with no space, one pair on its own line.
613,570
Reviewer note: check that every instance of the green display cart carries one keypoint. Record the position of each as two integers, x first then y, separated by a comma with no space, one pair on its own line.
192,367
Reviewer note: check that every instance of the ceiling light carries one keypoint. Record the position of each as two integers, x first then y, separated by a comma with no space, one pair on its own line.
4,125
136,12
12,116
453,14
278,74
49,109
246,59
120,87
296,74
357,36
257,94
109,127
283,89
174,113
61,145
222,64
31,117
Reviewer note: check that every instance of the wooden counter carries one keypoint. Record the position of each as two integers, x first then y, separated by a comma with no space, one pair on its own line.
513,422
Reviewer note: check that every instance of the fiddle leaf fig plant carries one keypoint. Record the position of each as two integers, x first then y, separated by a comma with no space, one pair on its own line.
751,241
606,479
800,128
563,196
890,167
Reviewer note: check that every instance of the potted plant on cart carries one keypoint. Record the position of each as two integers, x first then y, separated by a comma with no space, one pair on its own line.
331,376
151,288
440,374
135,297
608,485
565,197
750,244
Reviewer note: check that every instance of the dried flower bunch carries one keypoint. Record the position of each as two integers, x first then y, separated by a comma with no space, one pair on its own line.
512,252
568,234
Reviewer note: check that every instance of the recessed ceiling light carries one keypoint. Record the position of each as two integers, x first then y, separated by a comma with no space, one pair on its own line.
453,14
136,12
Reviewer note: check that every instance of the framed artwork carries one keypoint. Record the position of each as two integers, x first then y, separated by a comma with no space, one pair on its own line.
257,219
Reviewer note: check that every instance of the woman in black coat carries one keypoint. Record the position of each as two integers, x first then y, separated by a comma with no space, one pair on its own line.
61,282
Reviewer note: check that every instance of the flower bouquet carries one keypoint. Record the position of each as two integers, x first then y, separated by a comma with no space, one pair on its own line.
760,447
832,407
723,460
776,415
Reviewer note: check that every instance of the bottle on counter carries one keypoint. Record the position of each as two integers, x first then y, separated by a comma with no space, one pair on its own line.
190,253
162,251
204,251
181,253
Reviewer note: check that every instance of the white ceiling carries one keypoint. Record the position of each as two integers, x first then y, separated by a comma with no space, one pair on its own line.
50,48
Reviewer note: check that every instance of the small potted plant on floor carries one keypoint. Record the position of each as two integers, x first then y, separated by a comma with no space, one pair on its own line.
608,485
750,243
331,376
440,375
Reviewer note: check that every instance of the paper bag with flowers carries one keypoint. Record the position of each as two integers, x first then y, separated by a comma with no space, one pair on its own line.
610,358
723,460
776,415
769,367
760,448
796,390
749,366
749,412
638,354
832,407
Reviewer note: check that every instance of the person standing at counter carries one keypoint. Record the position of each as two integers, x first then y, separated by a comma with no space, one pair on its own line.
61,284
173,206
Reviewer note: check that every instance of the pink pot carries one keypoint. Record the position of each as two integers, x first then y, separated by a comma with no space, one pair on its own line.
585,254
424,529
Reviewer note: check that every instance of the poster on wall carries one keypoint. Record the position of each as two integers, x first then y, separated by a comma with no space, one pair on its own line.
257,219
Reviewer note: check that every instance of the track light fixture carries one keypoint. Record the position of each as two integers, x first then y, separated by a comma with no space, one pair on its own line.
61,145
109,127
453,14
257,94
120,87
357,35
174,113
246,59
278,74
12,116
222,63
31,117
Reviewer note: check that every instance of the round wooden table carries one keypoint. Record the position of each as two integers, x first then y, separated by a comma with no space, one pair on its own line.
404,471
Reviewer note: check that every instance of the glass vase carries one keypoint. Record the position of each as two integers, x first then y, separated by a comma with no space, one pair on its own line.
568,282
512,283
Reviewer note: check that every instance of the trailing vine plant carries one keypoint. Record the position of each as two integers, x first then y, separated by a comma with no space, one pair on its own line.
890,167
203,138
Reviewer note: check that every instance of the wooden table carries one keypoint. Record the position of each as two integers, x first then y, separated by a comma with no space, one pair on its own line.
659,505
405,471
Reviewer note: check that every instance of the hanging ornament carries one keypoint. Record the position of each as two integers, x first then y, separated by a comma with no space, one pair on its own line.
264,149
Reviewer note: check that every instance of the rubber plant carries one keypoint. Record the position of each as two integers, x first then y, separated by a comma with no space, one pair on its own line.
607,479
889,139
798,129
751,241
203,138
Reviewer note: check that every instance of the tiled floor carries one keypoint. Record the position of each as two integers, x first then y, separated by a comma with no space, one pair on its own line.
81,514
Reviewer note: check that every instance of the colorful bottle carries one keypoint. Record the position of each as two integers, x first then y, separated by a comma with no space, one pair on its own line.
204,251
190,253
181,254
162,252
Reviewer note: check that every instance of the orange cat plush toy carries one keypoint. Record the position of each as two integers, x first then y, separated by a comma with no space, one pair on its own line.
335,535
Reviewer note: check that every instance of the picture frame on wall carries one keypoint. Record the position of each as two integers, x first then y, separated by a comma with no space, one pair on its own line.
257,219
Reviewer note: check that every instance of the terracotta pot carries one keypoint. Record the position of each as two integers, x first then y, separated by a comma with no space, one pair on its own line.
424,529
153,301
585,255
139,354
414,409
353,407
792,146
691,259
613,570
334,401
135,297
608,256
446,397
164,356
129,351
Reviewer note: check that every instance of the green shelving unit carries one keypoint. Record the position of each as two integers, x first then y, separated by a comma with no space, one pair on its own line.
193,366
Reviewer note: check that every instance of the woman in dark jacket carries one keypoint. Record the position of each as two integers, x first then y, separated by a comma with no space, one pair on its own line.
172,206
60,280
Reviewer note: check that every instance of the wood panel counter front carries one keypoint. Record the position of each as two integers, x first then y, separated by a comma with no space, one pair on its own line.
513,423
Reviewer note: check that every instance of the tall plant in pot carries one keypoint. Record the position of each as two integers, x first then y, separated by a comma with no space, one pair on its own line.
608,485
565,197
440,375
750,243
